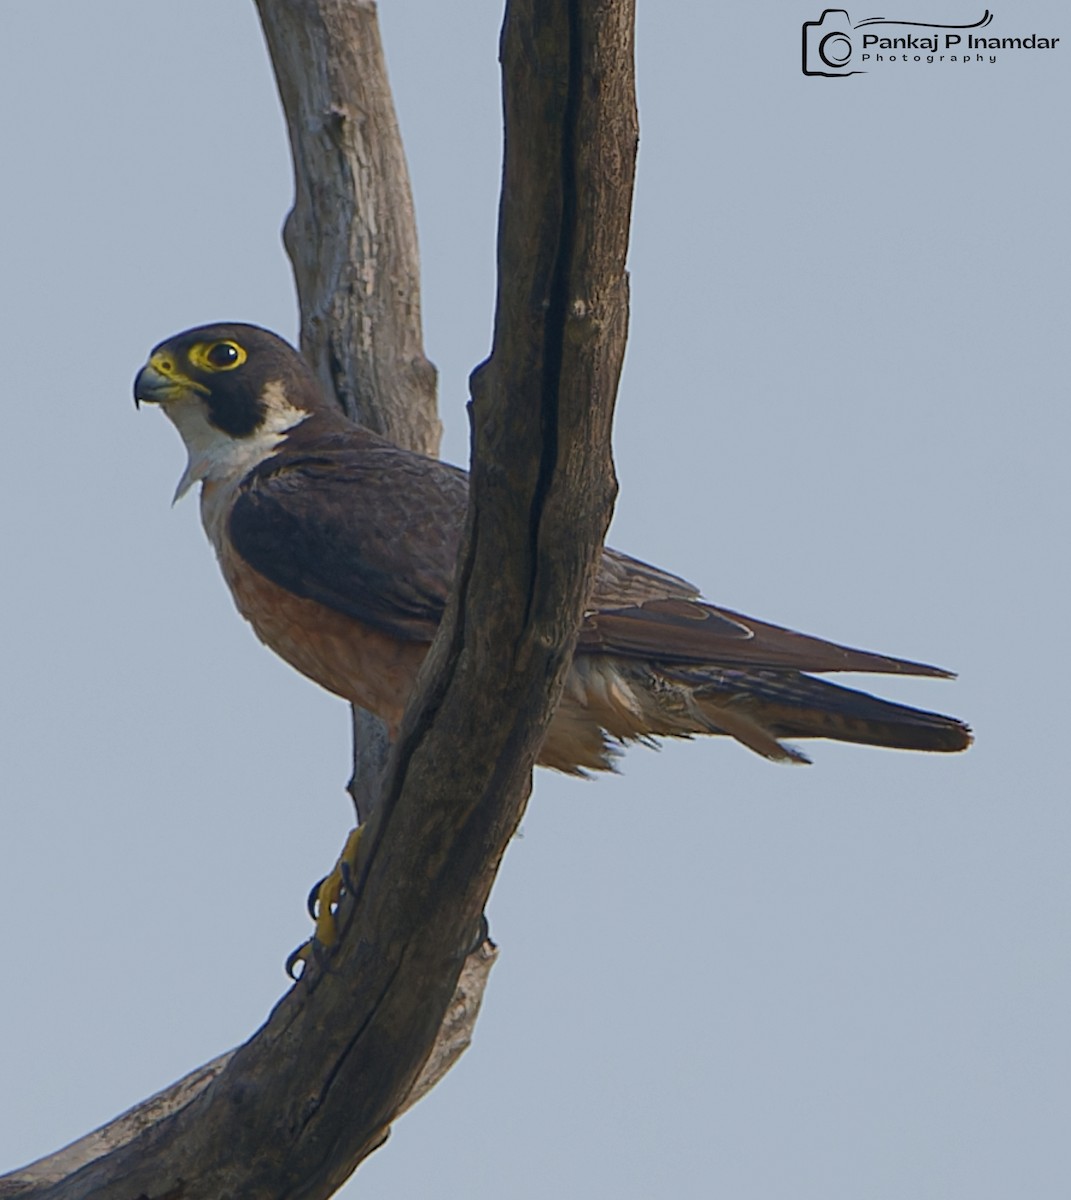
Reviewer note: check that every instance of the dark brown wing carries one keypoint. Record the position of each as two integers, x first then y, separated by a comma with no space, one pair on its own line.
642,612
353,522
356,524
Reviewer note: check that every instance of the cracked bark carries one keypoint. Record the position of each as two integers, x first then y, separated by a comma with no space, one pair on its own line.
295,1109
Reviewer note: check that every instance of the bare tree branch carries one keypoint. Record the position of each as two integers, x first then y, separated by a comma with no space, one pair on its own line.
351,234
453,1039
294,1110
352,241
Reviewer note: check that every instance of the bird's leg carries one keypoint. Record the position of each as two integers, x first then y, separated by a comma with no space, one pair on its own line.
323,903
371,746
334,887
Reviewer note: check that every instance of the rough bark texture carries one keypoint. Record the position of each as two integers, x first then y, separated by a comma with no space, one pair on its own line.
294,1110
351,234
352,241
61,1174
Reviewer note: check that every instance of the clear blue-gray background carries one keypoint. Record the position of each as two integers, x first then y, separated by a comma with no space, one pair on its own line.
844,408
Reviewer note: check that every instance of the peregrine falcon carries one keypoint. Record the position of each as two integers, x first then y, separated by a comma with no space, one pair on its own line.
339,548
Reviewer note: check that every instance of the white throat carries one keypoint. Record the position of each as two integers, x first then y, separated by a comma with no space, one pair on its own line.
218,457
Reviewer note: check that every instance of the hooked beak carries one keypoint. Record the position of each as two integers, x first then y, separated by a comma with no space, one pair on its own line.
160,381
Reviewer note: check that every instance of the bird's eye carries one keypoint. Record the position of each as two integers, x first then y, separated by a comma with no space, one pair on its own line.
216,356
224,355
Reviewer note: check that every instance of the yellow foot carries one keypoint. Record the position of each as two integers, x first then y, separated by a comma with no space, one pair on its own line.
332,890
323,905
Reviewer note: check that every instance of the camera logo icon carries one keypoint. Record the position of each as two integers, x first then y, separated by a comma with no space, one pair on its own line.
827,45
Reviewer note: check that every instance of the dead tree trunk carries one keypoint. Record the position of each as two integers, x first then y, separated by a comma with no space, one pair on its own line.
294,1110
352,240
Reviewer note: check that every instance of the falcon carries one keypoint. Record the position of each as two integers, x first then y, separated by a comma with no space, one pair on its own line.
339,549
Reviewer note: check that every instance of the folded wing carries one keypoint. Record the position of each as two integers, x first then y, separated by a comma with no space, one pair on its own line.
357,525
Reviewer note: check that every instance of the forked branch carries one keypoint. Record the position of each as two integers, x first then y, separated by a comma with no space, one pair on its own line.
294,1110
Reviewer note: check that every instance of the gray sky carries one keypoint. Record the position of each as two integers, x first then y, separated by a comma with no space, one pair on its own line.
841,411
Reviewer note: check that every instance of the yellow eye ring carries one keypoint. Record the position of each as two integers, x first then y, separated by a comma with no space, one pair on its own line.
217,356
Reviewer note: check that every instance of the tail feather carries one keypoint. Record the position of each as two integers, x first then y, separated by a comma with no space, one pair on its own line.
737,723
793,705
612,701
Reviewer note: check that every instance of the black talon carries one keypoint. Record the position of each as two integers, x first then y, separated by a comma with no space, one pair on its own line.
312,904
298,956
483,936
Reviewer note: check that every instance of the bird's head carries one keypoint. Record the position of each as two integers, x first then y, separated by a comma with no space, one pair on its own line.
232,392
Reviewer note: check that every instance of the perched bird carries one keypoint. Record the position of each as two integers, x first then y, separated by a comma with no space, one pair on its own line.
339,548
